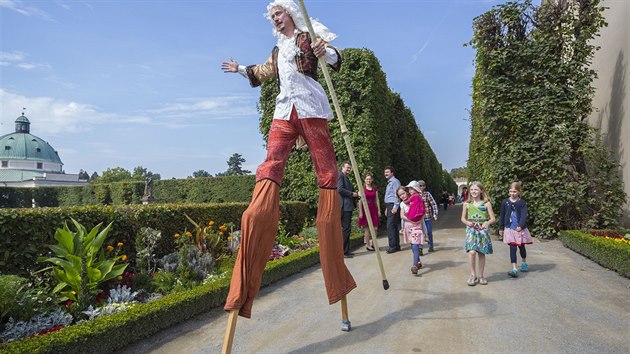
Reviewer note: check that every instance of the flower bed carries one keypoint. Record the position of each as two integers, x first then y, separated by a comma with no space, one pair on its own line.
609,248
120,315
109,333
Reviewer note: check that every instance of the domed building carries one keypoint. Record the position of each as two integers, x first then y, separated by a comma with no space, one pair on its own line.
28,161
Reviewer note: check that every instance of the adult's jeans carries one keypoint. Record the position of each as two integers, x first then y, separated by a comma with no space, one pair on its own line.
346,227
427,223
393,227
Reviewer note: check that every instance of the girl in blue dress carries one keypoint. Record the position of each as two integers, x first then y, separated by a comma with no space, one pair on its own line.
477,215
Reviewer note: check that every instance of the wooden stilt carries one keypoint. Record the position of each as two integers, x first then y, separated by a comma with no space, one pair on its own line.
345,322
229,332
346,139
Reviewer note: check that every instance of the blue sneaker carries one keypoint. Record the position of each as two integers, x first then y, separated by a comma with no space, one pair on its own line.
513,273
524,267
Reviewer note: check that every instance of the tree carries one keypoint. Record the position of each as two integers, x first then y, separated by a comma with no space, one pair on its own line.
141,174
201,173
83,175
94,177
116,174
234,166
459,172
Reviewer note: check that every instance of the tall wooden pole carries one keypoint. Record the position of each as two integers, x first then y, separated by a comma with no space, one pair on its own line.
346,139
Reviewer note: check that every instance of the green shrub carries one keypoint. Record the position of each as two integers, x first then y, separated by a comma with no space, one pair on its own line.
107,334
22,298
163,282
80,265
143,281
25,232
10,286
189,190
608,253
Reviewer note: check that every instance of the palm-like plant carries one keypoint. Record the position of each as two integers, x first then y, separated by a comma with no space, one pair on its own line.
80,264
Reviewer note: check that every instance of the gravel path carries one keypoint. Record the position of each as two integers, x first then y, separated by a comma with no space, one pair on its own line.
564,304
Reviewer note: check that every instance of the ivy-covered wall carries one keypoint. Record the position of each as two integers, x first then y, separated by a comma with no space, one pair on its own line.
531,96
382,130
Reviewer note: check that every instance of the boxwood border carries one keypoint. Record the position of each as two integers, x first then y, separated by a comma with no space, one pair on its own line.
109,333
607,253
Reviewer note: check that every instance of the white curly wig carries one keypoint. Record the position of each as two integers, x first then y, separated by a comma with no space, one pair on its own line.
300,23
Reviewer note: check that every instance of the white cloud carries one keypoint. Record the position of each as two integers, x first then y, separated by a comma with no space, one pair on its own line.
54,115
226,107
17,59
13,56
64,5
20,7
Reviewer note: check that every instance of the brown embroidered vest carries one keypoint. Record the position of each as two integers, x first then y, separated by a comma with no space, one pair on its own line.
306,61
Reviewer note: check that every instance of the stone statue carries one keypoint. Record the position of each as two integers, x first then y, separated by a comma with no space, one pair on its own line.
148,191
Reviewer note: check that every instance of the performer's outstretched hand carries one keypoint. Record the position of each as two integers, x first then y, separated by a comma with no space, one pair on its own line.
230,66
319,48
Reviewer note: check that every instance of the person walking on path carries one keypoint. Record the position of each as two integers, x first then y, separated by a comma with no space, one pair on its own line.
445,200
374,208
391,210
477,215
513,228
413,231
464,197
430,211
302,111
344,187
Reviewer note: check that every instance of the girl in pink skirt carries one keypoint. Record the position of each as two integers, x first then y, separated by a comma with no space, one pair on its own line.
512,227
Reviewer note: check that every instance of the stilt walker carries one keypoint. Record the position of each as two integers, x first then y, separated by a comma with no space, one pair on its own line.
346,139
300,117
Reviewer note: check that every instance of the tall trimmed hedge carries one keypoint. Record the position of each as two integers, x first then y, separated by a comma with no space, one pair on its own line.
26,232
531,97
382,130
190,190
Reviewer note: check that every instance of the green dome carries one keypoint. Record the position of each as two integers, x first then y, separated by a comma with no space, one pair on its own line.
22,145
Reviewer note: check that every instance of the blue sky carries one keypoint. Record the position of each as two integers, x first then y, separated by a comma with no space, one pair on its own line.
125,83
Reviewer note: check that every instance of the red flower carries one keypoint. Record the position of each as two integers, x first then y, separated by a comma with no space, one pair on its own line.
48,330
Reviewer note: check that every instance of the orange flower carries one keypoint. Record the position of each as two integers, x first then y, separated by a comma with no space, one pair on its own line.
223,228
110,248
211,222
188,234
177,235
124,257
119,244
229,238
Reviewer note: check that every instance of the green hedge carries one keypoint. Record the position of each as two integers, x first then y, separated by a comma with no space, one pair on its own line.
26,232
607,253
378,122
532,95
107,334
189,190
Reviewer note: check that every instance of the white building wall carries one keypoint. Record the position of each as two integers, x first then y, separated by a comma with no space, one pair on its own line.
32,165
612,95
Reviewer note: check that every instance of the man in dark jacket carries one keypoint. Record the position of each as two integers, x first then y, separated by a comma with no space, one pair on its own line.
344,187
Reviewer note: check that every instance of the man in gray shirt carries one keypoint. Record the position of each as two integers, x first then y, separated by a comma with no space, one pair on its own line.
391,210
